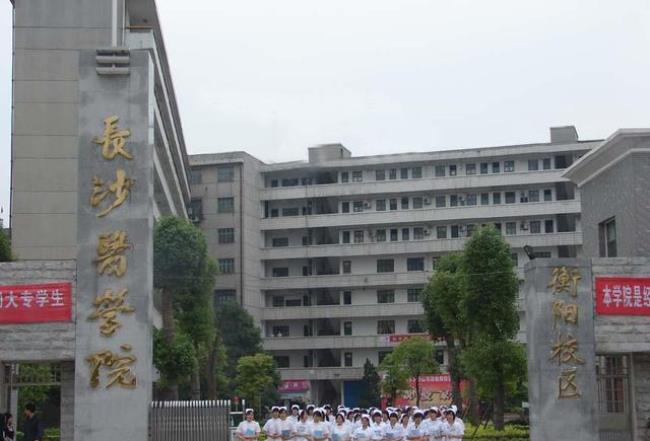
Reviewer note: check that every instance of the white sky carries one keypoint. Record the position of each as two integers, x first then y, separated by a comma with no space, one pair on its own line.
274,77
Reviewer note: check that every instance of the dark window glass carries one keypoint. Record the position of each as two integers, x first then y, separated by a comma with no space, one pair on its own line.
385,265
415,264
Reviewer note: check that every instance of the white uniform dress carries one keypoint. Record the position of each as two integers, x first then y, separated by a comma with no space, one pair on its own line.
377,431
361,434
320,430
435,430
285,428
302,430
272,430
248,428
394,433
452,432
416,431
340,432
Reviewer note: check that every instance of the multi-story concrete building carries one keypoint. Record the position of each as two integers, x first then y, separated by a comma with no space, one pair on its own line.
330,255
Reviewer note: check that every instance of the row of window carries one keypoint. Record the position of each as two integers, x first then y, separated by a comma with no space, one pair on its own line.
413,295
413,326
225,173
282,361
383,266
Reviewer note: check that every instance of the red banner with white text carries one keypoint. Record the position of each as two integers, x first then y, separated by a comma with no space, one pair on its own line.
38,303
623,295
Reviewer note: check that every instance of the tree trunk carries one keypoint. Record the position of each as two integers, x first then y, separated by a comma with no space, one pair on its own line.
472,414
170,392
456,396
196,383
210,370
417,390
499,401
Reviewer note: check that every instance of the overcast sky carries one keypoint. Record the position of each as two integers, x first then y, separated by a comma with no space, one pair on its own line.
379,76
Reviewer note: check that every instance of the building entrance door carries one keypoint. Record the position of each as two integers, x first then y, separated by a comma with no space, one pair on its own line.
614,404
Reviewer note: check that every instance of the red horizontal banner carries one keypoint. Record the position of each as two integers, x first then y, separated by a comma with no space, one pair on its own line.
623,296
294,386
47,302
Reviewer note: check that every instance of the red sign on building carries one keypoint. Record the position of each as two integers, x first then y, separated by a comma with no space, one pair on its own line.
622,296
47,302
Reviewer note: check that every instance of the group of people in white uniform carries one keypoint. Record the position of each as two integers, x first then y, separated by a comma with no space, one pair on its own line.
322,424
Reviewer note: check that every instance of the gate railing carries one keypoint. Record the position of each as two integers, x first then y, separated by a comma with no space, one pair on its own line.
190,420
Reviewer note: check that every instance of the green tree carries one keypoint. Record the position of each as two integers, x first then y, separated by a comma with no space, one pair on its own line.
370,386
442,300
256,375
416,357
5,248
182,268
240,337
394,380
491,302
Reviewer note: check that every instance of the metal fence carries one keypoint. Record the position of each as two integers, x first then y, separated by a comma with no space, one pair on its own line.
190,420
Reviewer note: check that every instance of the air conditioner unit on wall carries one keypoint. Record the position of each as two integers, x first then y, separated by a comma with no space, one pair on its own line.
426,232
426,201
524,225
366,204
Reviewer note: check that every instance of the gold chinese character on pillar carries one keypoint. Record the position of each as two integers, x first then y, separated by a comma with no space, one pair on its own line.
565,311
111,260
120,188
119,368
565,350
113,139
567,384
565,280
107,306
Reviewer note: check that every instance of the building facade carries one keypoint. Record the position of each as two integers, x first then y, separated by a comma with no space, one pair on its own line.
330,255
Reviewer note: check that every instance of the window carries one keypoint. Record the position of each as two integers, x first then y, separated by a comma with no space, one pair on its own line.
393,204
417,202
226,235
280,331
418,233
385,296
414,326
278,301
510,197
441,201
222,296
471,199
535,227
226,174
439,171
515,259
385,327
453,200
274,183
470,229
291,211
470,169
455,231
385,265
347,266
382,354
413,295
548,226
282,361
195,177
381,235
345,177
613,384
416,172
347,297
497,226
225,205
275,212
484,168
548,195
495,167
345,237
280,241
392,174
307,361
357,176
357,206
533,164
533,195
358,236
546,163
380,205
441,231
405,203
511,228
440,356
405,234
496,198
485,198
393,234
280,272
226,266
347,359
452,170
508,166
404,173
347,328
380,175
306,271
607,233
415,264
293,302
542,254
345,207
